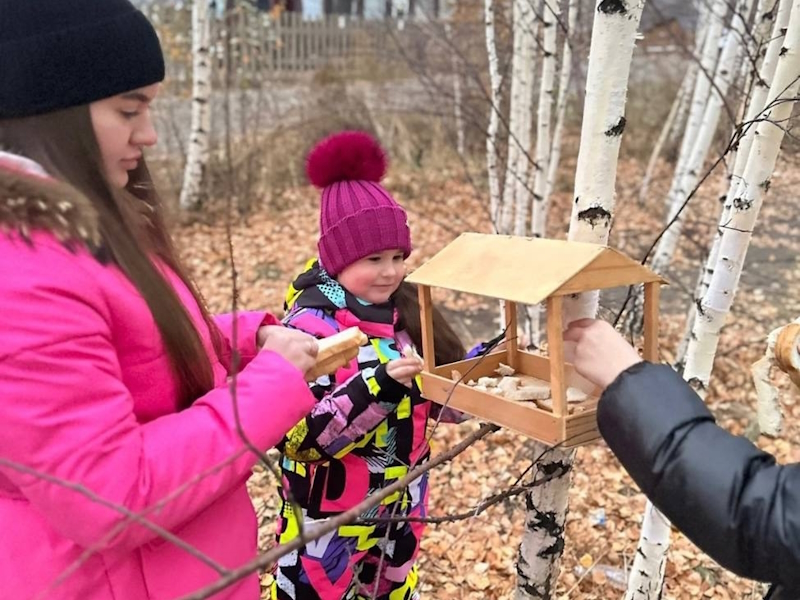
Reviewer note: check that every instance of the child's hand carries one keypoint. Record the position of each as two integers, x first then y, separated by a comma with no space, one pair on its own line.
403,370
299,348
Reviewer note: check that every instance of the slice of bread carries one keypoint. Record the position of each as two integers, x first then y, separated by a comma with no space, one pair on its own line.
337,351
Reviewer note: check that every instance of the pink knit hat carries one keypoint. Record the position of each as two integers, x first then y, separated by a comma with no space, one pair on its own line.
357,216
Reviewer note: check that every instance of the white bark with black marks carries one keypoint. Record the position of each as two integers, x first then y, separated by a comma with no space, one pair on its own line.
647,575
678,106
457,96
551,15
704,136
756,47
495,81
745,207
755,107
650,561
194,176
545,516
516,195
708,62
538,180
564,84
613,38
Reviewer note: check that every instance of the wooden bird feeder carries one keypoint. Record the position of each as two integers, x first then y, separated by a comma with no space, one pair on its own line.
527,271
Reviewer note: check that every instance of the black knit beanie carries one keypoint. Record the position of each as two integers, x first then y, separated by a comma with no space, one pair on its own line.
55,54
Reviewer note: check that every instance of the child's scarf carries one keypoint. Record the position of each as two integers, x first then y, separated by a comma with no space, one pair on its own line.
315,288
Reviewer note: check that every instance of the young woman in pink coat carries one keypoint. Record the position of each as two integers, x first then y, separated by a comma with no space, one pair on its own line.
113,391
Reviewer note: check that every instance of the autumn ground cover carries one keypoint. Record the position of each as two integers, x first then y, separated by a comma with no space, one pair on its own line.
475,558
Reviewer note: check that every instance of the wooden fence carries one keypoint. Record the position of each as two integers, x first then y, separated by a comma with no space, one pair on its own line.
264,45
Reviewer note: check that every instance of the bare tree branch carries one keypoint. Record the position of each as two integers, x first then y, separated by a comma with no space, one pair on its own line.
481,507
133,517
144,522
318,530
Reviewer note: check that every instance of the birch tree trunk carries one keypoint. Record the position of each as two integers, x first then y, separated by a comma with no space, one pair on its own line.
708,62
457,95
745,207
689,177
519,113
506,208
675,120
669,126
783,352
194,175
564,83
521,118
457,100
495,82
754,110
647,571
755,49
551,14
755,107
650,562
613,38
679,125
749,64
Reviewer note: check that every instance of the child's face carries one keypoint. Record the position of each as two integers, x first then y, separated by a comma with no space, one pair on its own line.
123,126
374,278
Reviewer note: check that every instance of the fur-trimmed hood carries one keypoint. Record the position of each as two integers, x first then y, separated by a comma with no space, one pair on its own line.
32,200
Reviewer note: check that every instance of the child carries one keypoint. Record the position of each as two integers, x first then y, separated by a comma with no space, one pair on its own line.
368,428
113,392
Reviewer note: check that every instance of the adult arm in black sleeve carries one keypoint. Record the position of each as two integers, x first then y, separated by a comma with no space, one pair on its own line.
726,495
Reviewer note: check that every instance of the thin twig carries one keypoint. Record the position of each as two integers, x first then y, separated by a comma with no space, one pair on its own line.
323,528
133,516
234,369
473,512
144,522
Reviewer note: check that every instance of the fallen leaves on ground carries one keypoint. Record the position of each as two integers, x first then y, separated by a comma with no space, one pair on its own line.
475,558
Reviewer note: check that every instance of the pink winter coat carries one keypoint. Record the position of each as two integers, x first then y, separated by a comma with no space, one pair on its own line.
87,396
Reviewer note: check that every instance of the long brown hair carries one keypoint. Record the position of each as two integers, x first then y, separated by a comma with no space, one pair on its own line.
448,347
131,227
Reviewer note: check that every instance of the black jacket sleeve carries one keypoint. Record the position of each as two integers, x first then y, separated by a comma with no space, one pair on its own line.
727,496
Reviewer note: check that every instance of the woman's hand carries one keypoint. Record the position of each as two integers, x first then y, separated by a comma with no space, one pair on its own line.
403,370
599,353
299,348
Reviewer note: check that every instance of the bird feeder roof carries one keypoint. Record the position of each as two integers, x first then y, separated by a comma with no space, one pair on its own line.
528,270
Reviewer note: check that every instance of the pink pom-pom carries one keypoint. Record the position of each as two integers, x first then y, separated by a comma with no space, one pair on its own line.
346,156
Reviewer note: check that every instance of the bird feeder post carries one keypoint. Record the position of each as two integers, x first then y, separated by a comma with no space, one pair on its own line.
555,350
426,322
512,345
652,292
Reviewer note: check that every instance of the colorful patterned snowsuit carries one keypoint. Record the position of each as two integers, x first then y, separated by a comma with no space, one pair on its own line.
362,436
